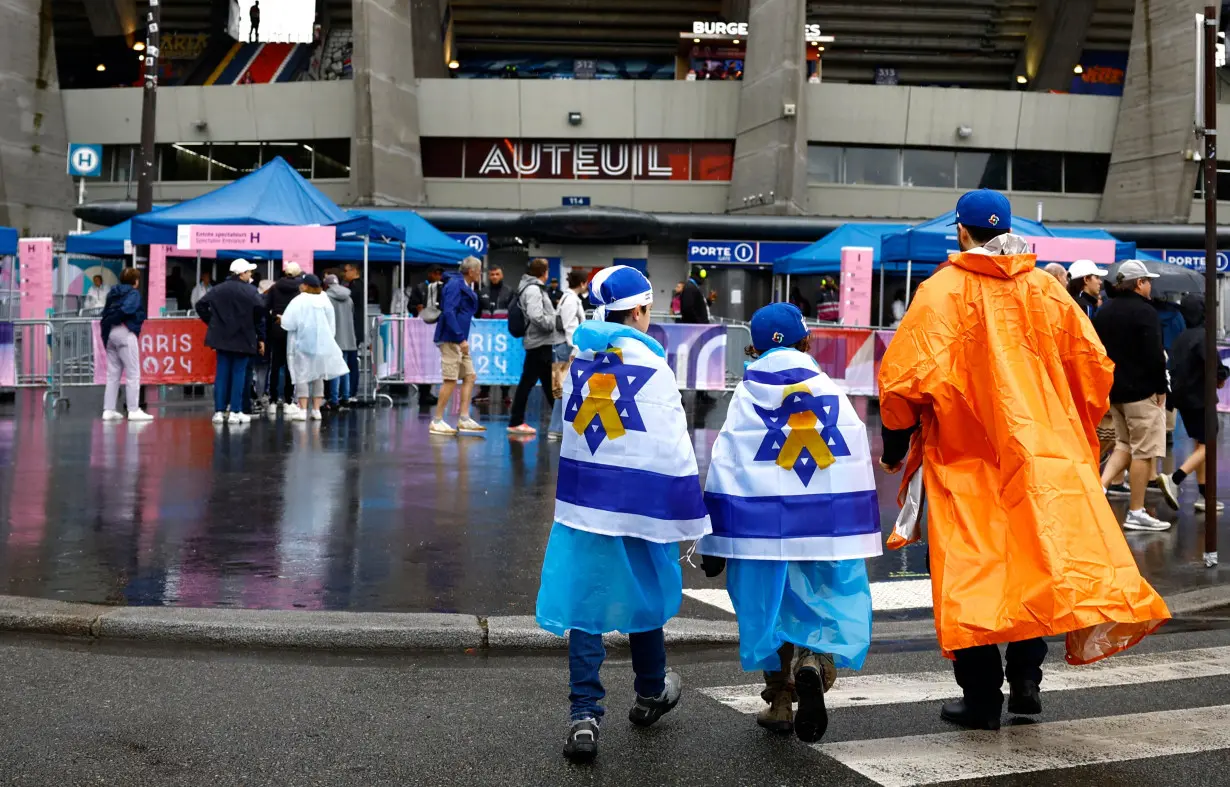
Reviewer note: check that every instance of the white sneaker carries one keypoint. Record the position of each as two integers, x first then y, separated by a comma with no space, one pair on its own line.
112,415
272,410
296,414
468,425
1202,505
442,427
219,418
139,415
1170,490
240,418
291,409
316,416
1141,520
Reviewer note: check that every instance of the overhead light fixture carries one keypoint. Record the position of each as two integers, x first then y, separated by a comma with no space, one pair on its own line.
574,118
735,41
100,67
1021,79
453,64
695,40
138,46
1079,69
820,49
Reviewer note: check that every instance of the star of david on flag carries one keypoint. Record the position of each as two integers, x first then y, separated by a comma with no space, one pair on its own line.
814,439
600,415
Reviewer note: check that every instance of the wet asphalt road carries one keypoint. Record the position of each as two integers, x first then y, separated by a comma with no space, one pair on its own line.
366,511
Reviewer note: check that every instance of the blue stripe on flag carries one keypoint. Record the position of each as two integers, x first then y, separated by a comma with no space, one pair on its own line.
786,377
625,490
794,516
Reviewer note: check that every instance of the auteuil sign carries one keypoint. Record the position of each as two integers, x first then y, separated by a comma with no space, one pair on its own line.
576,160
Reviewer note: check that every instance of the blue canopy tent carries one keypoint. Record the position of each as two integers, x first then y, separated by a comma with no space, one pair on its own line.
928,244
107,242
824,256
8,241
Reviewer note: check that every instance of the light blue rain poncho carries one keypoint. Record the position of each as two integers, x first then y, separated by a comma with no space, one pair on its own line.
628,489
792,500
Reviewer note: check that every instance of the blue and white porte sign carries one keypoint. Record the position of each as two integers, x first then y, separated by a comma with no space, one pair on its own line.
1193,259
477,241
739,252
84,161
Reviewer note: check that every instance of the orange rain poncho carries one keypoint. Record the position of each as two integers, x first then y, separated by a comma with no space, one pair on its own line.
1008,381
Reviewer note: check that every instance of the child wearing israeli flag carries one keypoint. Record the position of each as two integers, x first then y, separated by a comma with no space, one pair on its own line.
792,500
627,492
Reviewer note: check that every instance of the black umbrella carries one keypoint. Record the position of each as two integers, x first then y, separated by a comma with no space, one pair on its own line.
1171,278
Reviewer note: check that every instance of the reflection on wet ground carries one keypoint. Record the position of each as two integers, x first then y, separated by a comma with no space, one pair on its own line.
364,512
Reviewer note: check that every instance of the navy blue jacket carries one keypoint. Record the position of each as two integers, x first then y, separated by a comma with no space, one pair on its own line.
458,305
123,307
235,313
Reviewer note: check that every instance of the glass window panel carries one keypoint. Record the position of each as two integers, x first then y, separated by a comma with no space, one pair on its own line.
927,168
1085,173
185,161
233,160
297,154
982,169
1037,171
333,158
823,164
872,166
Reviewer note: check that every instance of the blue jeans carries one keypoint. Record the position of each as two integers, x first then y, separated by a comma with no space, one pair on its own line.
337,389
229,381
585,656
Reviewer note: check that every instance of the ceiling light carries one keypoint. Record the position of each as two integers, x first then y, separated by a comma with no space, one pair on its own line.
735,41
1021,79
139,46
100,67
820,49
454,64
1079,69
695,40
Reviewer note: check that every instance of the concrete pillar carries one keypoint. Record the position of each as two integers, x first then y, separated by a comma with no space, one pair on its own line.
429,35
1054,43
1151,178
770,167
35,193
386,166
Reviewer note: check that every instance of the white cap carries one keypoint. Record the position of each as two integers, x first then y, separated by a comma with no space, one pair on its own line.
1135,269
1082,268
241,266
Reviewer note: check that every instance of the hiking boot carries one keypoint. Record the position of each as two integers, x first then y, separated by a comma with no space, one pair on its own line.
779,716
1024,699
647,710
581,745
968,716
811,680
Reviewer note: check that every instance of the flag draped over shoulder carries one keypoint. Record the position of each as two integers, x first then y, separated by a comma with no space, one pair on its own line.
790,476
627,467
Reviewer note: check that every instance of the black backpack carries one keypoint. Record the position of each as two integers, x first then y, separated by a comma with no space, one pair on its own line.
517,324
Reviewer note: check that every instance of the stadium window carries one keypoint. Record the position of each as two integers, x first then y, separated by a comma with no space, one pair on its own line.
119,163
184,161
1085,173
330,158
873,166
297,154
928,168
1037,171
233,160
823,164
982,169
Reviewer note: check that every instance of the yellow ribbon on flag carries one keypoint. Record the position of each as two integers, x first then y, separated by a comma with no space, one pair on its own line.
803,435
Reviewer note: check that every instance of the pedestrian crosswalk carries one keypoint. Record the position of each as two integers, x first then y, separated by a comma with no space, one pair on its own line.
949,756
885,596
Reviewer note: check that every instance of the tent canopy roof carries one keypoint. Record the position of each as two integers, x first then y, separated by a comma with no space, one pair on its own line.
824,256
8,241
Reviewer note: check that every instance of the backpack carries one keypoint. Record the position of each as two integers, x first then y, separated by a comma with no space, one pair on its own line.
517,324
431,310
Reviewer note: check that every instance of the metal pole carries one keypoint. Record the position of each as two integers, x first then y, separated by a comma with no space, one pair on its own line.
149,106
882,266
80,200
909,269
1212,357
405,301
367,347
787,298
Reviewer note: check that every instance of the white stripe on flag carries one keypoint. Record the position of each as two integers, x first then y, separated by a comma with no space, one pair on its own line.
902,594
927,759
853,691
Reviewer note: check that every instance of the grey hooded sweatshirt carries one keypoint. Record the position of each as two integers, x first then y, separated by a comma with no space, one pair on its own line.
539,314
343,310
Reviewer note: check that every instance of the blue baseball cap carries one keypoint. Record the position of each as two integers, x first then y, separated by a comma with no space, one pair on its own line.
984,208
777,325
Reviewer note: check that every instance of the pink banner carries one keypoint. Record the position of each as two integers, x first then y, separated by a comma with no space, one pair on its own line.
851,357
35,283
157,279
855,304
302,256
234,237
1072,249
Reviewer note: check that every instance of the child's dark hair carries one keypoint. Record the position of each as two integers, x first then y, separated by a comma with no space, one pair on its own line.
803,346
620,317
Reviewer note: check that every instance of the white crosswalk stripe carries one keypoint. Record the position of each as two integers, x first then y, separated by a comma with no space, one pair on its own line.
951,756
885,596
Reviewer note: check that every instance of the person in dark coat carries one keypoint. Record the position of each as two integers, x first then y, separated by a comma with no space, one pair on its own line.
235,314
283,291
353,279
1187,357
122,318
693,308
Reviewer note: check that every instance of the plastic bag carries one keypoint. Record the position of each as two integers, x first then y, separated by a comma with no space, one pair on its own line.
908,527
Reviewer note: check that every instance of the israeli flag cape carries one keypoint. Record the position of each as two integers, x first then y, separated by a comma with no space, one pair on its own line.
626,466
790,476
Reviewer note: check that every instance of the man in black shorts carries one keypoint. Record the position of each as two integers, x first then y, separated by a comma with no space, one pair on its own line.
1187,382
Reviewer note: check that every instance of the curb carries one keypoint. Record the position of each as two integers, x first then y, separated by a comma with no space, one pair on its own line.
393,632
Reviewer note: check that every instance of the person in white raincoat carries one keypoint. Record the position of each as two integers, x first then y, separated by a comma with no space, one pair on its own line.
311,350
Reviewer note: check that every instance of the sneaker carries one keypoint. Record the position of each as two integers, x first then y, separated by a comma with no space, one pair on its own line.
647,710
139,416
272,410
112,415
442,427
1141,520
555,436
811,680
296,415
1201,505
1119,490
1170,490
581,745
219,418
240,418
468,425
291,410
522,429
316,415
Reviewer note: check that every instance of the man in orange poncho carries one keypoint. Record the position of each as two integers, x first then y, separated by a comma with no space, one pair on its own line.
1005,380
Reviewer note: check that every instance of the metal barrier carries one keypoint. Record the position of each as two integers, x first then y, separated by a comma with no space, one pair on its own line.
738,337
32,353
386,360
